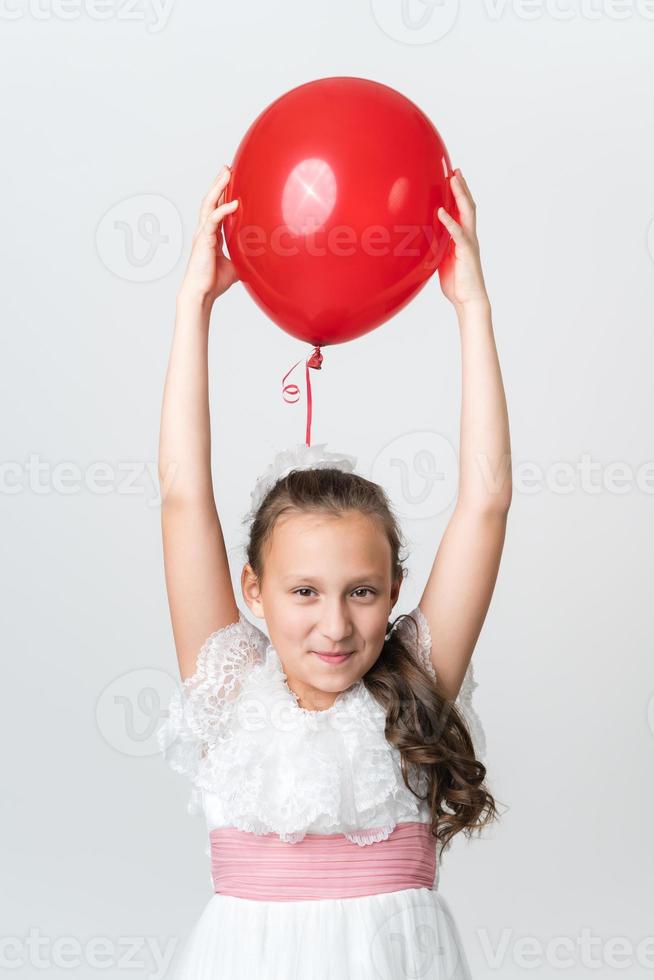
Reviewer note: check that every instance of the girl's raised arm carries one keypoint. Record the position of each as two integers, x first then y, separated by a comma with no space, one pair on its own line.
198,583
462,580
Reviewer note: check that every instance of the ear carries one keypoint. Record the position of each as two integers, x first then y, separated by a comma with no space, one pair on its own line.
395,591
251,590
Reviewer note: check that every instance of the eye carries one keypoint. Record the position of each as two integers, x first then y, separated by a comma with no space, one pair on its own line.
363,588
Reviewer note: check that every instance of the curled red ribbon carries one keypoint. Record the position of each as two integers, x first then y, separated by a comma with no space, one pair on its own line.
314,360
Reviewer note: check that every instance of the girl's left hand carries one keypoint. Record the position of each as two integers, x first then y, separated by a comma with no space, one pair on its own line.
460,274
209,272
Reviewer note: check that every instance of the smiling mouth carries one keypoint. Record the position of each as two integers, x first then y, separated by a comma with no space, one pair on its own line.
333,658
333,653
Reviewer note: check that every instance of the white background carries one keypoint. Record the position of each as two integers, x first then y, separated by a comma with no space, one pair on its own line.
547,108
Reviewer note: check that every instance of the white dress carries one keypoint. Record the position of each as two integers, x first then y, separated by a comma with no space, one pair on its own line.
260,763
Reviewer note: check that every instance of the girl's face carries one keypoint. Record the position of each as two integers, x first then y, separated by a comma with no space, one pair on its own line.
326,589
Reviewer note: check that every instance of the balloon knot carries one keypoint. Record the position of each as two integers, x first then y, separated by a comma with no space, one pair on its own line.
315,361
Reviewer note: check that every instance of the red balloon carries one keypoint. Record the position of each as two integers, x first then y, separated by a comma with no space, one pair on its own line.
339,182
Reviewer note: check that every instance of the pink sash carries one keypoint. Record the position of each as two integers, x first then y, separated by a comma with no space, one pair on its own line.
265,868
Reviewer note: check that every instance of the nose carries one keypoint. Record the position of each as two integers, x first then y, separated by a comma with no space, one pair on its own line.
335,623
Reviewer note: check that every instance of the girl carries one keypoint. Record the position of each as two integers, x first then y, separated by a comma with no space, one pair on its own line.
336,760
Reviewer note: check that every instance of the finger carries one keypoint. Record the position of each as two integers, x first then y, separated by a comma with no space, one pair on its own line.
215,193
215,219
464,202
211,206
221,184
221,181
454,228
463,181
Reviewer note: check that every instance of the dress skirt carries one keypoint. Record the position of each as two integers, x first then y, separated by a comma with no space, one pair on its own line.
391,936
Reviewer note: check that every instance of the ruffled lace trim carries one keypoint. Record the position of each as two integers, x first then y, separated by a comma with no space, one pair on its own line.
371,836
294,771
464,698
200,707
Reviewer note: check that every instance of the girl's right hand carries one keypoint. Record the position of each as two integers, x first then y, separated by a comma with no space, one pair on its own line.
209,272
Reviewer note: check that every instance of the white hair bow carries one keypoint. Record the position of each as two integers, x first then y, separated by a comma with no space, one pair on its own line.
302,457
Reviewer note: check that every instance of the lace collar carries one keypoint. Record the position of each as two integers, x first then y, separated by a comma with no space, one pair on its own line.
343,698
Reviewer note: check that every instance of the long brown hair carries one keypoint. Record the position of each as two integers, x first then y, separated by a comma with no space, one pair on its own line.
431,735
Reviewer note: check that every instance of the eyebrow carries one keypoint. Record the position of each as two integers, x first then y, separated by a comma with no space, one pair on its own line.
366,577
